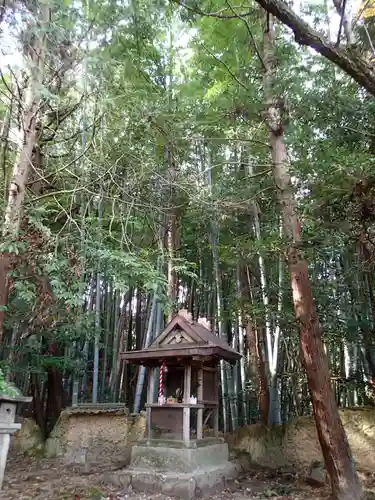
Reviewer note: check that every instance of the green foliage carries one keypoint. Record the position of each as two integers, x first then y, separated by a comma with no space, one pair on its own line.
7,388
151,81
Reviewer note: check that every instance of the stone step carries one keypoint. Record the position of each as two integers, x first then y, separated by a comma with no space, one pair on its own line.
184,486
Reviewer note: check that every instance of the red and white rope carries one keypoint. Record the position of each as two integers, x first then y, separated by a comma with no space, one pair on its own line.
161,372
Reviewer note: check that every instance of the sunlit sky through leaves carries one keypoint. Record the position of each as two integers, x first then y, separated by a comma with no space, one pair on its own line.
10,54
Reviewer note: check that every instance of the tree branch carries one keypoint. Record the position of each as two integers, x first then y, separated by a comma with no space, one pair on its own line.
253,41
356,67
218,15
225,66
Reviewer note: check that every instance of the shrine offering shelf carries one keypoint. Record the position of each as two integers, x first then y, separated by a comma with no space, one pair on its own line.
174,405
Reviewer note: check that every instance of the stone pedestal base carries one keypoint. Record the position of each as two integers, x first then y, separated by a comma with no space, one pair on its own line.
186,471
185,486
161,456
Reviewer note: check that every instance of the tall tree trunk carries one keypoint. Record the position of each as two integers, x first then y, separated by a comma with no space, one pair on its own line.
171,174
107,299
241,348
148,340
257,364
367,253
259,370
4,138
336,451
171,233
213,232
274,415
272,334
118,335
95,375
5,260
21,168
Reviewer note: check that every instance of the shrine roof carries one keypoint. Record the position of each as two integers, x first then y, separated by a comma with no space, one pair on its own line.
184,338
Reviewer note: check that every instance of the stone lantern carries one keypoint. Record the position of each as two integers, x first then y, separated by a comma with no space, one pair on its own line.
10,398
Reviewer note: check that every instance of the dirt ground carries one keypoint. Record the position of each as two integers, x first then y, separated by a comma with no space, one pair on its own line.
42,479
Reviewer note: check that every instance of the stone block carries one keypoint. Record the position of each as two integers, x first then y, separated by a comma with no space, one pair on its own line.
317,475
105,431
284,445
182,460
184,486
147,483
28,439
232,470
120,479
210,482
180,488
7,412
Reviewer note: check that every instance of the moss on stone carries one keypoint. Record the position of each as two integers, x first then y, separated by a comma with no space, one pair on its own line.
37,451
29,439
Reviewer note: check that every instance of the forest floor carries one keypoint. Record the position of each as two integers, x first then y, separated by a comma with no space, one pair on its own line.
42,479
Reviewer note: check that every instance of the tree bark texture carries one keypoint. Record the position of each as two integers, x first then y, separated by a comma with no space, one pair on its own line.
335,447
4,288
21,168
257,364
259,370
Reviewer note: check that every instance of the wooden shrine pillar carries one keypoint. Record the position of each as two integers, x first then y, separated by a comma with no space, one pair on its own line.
186,409
199,400
150,398
216,411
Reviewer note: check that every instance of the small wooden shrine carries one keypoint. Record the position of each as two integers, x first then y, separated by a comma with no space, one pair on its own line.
183,385
182,455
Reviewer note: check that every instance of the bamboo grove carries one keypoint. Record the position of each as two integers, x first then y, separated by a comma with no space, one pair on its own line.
165,155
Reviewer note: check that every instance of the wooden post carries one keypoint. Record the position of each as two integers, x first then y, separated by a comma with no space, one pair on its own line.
150,398
199,400
216,411
186,414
